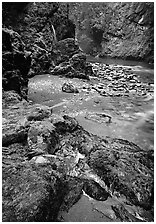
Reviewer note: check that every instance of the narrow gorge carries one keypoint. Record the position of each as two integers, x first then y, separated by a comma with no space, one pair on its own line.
77,112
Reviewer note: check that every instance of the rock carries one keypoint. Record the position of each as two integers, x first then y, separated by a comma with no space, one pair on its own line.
64,49
124,215
14,136
55,119
13,130
78,61
39,113
62,69
10,98
41,35
41,60
89,69
66,69
42,138
76,67
31,193
59,147
74,188
97,117
69,88
14,153
119,165
71,123
39,160
70,62
16,63
97,101
80,75
95,191
64,124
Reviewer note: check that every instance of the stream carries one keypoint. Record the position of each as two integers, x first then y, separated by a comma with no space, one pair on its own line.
132,118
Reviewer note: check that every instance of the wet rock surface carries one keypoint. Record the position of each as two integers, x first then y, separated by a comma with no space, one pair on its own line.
120,184
59,157
123,167
94,190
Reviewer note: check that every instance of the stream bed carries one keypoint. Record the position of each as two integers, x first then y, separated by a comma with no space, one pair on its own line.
128,116
132,116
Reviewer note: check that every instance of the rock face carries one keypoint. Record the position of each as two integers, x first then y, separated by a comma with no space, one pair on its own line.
40,25
15,62
123,30
49,36
135,26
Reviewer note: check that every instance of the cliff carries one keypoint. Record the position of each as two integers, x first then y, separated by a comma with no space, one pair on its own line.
40,26
49,160
122,30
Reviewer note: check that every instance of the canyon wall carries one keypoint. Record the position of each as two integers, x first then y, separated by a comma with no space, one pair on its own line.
121,30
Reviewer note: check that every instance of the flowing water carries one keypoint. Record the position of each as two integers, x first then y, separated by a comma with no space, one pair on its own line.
132,118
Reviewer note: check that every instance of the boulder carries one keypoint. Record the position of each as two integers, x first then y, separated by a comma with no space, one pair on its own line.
64,49
64,124
66,69
63,69
95,191
41,60
99,117
69,88
15,63
83,69
14,130
39,113
48,159
31,193
123,214
78,61
10,98
74,67
120,165
14,136
42,138
74,188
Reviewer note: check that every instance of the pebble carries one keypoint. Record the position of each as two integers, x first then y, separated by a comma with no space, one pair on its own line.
120,78
40,159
